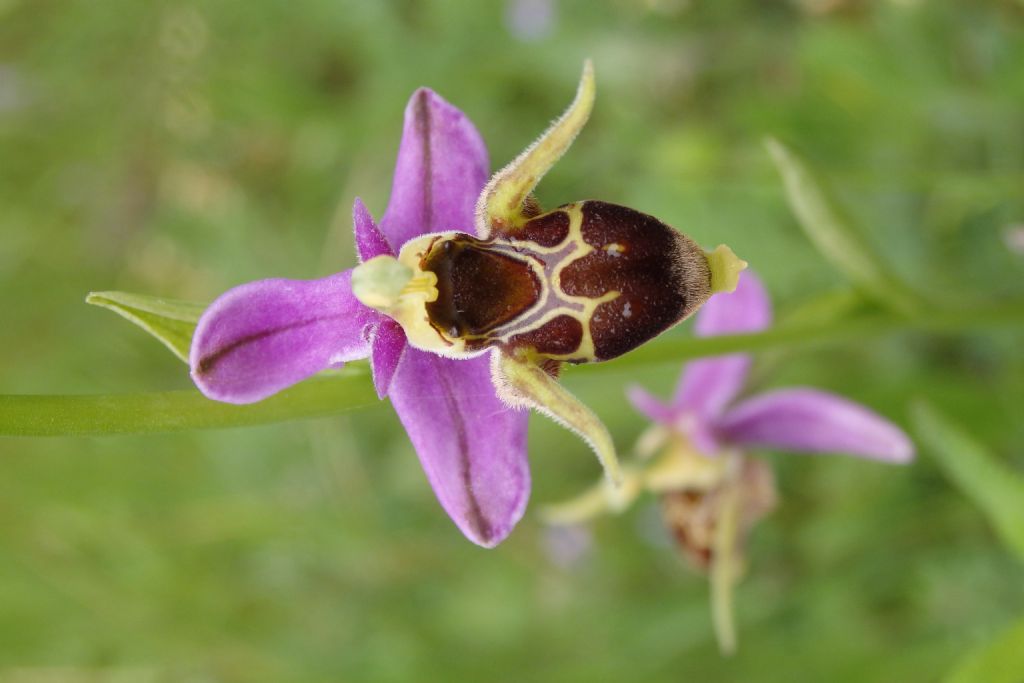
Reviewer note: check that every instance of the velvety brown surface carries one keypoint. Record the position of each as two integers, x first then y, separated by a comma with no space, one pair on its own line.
548,230
559,336
478,288
643,259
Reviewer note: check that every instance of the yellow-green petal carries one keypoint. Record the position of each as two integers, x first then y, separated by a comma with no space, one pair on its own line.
501,203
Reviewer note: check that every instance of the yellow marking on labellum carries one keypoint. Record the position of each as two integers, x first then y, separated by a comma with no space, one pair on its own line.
423,284
586,350
553,301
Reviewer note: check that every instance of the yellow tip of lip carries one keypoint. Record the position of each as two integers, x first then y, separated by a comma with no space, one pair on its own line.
725,269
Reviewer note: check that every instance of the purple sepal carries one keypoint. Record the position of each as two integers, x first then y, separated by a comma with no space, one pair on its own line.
709,385
692,426
442,166
810,420
472,446
264,336
261,337
649,405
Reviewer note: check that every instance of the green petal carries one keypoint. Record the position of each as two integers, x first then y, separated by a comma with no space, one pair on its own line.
992,486
169,320
521,382
500,205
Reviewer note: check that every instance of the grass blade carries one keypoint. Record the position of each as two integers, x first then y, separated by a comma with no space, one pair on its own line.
836,236
993,487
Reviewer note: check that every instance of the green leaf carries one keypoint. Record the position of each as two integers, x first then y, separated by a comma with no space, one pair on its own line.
169,320
170,411
836,236
998,661
993,487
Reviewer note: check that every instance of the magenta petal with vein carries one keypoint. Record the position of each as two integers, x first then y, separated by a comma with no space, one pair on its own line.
814,421
442,167
263,336
708,386
472,447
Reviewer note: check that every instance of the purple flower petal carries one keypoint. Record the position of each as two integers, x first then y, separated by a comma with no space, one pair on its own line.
690,425
814,421
472,447
748,309
370,241
442,167
648,405
263,336
388,347
529,20
708,386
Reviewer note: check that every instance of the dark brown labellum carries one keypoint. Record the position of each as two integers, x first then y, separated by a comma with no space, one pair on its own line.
661,275
479,287
588,281
558,337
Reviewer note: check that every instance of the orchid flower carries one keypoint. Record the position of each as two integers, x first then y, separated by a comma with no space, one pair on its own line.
694,456
458,269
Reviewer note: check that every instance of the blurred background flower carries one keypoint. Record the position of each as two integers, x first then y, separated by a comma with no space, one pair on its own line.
530,20
695,454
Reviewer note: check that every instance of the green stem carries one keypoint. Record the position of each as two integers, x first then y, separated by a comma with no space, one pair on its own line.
170,411
95,415
725,567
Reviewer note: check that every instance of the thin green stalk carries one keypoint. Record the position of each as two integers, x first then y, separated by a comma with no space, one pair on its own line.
725,567
171,411
95,415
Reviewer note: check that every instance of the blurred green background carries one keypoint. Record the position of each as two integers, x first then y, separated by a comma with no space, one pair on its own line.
180,148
